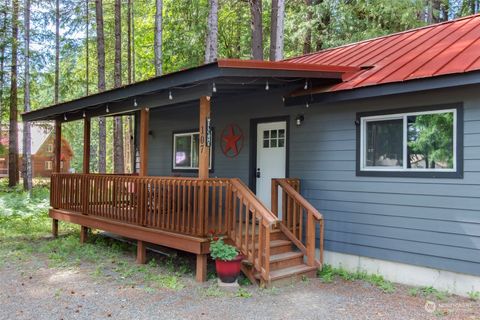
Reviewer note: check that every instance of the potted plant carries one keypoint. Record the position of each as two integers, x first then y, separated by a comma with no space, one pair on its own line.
227,259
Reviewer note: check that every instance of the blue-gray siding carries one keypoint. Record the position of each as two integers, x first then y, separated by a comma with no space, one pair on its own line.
421,221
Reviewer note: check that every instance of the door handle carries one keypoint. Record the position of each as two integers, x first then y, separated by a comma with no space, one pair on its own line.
258,173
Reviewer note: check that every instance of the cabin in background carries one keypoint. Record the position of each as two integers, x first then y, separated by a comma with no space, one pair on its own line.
42,146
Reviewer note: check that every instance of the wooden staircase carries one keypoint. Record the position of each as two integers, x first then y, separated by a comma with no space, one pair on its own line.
278,251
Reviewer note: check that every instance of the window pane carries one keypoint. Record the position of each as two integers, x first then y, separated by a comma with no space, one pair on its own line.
281,143
183,151
384,143
430,141
273,143
281,133
266,143
273,133
196,142
266,134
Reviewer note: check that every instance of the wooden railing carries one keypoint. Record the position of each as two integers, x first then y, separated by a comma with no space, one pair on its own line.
189,206
300,221
251,226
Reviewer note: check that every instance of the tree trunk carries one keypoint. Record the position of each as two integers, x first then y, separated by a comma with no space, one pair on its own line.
27,157
133,41
257,29
322,24
211,48
158,37
13,129
57,52
3,44
87,51
307,42
118,155
276,30
102,128
129,41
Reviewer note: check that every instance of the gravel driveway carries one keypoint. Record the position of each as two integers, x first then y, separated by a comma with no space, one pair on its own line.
30,289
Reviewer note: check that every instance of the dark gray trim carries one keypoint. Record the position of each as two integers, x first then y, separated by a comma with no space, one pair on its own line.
252,178
183,80
431,83
412,174
195,130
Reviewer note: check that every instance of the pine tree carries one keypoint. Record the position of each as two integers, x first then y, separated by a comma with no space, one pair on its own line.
211,48
27,157
277,30
118,156
13,176
102,128
158,37
57,52
257,29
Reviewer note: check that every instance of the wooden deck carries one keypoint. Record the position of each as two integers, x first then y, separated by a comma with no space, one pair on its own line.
180,212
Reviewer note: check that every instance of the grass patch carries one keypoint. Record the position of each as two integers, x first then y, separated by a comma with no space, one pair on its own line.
474,295
328,274
428,292
25,230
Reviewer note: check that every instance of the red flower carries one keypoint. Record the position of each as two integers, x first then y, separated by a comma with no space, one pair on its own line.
212,232
215,238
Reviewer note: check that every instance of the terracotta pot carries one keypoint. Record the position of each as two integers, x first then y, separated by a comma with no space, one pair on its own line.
228,271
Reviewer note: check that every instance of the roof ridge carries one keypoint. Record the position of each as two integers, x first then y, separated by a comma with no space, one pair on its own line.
384,36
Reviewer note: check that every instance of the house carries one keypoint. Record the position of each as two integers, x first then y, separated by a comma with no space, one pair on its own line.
42,149
370,151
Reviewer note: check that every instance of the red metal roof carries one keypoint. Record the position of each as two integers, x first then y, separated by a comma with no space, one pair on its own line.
435,50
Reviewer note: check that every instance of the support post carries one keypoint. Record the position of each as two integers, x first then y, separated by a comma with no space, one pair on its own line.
58,146
201,274
55,228
204,149
274,199
141,252
144,123
86,145
83,234
310,239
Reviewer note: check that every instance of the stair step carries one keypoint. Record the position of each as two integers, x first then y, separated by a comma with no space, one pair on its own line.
285,256
285,260
291,272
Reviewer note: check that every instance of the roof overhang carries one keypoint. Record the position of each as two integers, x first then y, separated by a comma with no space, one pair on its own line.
389,89
187,85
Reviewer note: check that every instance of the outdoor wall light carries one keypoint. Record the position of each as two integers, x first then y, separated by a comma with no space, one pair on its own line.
299,120
267,87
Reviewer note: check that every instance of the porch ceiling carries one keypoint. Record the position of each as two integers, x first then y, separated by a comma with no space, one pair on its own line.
220,78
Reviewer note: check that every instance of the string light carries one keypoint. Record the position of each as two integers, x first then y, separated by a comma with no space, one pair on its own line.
107,110
135,104
307,105
214,88
306,85
84,114
65,116
267,87
170,96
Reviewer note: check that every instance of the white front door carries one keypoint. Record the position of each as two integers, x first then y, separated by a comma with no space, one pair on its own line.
271,157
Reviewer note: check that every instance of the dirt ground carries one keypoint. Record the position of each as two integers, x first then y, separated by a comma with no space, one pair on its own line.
34,288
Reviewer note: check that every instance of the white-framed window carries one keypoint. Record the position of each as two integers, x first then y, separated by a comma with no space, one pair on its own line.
418,143
185,151
48,165
50,147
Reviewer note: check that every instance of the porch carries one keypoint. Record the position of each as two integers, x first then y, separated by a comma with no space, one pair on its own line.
278,243
180,212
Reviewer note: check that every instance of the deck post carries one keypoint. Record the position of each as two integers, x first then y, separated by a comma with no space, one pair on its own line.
86,145
55,228
57,167
58,146
83,234
144,123
141,252
201,273
204,146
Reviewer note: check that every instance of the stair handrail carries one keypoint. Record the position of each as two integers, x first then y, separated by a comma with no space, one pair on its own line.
313,217
254,247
